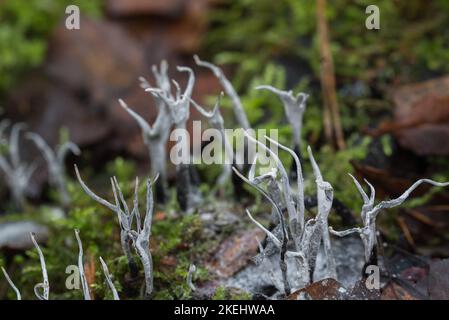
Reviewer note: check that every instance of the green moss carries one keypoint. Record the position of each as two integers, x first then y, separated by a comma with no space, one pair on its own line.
25,29
223,293
220,293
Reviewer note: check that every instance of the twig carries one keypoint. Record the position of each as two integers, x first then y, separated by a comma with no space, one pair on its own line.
332,122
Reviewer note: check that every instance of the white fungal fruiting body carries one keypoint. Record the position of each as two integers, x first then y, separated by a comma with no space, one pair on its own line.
45,286
179,111
306,236
192,270
294,108
369,213
131,227
17,174
237,106
109,279
123,215
156,137
216,121
55,162
11,283
84,283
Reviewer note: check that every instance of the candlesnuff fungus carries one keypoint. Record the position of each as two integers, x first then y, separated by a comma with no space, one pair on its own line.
131,228
306,236
13,286
83,278
294,108
325,197
279,195
156,137
237,106
123,215
216,121
109,279
55,162
45,286
192,270
369,214
17,173
141,235
239,114
179,111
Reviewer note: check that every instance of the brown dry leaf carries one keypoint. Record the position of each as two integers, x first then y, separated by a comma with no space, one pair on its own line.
326,289
160,216
235,252
421,117
169,261
393,291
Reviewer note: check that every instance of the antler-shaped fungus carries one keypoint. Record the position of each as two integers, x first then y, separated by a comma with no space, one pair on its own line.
179,110
124,217
216,120
156,136
294,107
239,112
141,236
55,162
369,213
17,174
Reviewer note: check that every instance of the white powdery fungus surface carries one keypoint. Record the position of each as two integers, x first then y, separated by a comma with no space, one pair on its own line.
260,279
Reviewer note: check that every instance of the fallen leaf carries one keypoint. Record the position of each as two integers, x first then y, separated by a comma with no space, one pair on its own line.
235,252
326,289
393,291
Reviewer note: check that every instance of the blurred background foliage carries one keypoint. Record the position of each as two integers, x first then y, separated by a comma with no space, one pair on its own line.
25,29
276,43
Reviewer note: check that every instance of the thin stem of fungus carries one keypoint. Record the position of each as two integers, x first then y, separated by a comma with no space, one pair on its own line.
55,163
141,241
18,295
288,198
325,197
109,279
267,232
239,112
216,120
300,207
83,278
17,174
192,270
294,108
124,217
45,286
